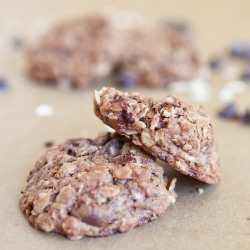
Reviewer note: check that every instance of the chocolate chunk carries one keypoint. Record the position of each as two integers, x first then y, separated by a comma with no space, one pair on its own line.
245,119
3,84
245,75
229,112
216,64
240,50
48,144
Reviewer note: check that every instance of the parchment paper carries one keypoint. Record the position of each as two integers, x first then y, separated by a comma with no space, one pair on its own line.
216,219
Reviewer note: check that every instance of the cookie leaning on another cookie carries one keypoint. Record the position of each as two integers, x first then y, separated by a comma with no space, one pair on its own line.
177,133
95,187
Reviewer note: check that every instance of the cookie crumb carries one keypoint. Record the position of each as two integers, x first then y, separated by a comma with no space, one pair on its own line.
44,110
245,119
229,112
240,50
49,144
245,75
216,64
3,84
200,190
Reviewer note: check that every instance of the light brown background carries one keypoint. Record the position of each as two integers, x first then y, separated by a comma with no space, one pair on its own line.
216,219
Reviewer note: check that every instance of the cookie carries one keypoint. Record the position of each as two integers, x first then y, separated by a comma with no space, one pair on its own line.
78,51
83,52
158,57
95,187
177,133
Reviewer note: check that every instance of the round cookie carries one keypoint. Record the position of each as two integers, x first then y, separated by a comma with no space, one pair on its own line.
78,52
158,57
84,51
177,133
95,187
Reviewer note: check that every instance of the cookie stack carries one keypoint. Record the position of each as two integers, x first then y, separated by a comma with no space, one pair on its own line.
113,183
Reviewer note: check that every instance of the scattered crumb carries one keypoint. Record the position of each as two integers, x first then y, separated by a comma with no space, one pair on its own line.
245,75
248,218
240,50
229,111
227,94
200,190
49,144
199,90
245,119
3,84
216,64
44,110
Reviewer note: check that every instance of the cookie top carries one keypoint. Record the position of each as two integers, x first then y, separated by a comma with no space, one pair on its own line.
177,133
95,187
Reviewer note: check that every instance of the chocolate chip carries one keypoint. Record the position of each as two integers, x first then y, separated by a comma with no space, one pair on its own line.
240,50
3,84
229,112
216,64
71,152
126,80
245,119
126,117
245,76
48,144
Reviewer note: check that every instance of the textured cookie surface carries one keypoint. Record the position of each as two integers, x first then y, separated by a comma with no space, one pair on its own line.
95,188
177,133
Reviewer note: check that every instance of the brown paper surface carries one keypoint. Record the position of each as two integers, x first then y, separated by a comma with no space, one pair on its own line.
216,219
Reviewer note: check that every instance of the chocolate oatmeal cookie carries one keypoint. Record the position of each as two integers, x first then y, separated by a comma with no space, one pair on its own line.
78,51
95,187
157,57
177,133
84,51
